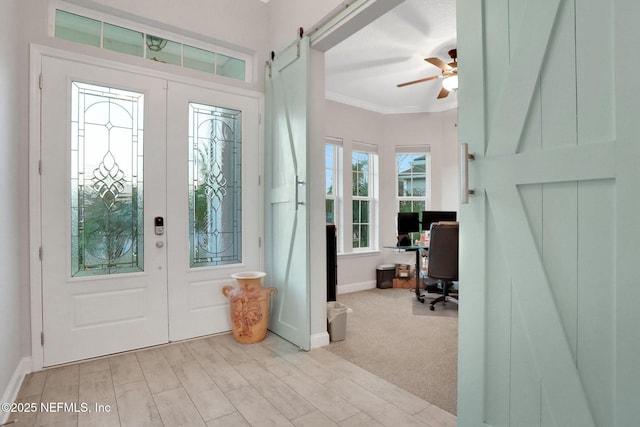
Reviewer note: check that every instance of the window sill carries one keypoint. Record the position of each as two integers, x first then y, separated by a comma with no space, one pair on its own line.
371,252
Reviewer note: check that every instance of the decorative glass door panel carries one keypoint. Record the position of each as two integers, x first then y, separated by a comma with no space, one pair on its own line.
107,227
215,182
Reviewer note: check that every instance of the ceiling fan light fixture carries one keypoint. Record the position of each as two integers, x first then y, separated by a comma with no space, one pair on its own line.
450,83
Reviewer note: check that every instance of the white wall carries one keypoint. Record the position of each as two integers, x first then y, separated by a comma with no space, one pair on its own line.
357,271
439,131
14,279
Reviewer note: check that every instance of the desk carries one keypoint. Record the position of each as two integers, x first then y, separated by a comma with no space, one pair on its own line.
416,249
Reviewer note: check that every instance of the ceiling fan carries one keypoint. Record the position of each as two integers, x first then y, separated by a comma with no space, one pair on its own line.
449,74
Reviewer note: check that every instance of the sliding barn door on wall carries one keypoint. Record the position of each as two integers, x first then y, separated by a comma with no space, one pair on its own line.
548,246
286,216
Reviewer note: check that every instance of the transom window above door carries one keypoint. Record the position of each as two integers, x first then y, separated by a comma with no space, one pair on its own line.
81,26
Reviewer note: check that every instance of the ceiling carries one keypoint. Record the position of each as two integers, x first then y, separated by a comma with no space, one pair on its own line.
364,70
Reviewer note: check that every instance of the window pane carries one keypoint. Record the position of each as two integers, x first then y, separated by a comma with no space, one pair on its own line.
412,181
419,206
215,196
230,67
402,188
406,206
356,211
77,28
355,177
123,40
411,175
364,212
364,236
356,236
364,164
199,59
329,162
329,211
106,181
163,50
360,174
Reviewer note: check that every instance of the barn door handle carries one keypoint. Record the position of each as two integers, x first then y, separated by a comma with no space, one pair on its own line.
299,191
465,156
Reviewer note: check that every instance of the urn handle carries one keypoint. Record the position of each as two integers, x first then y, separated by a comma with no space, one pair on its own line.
226,290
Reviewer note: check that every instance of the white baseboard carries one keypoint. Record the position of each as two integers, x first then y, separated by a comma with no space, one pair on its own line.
355,287
319,340
11,392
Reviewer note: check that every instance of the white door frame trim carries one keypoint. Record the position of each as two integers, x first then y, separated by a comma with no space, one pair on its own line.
35,209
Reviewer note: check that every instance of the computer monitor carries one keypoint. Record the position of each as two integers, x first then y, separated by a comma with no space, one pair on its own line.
408,222
429,217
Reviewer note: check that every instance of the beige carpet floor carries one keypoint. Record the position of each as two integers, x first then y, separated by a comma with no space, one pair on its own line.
391,334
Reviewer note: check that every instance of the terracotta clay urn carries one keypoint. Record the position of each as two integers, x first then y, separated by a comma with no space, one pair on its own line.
249,304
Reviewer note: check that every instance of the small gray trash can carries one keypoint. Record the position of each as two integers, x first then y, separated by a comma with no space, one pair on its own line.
337,320
384,275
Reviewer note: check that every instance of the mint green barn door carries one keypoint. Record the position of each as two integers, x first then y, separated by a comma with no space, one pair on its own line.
286,216
548,103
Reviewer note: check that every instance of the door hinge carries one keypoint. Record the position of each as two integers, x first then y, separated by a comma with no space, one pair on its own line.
42,339
259,119
259,242
259,180
39,167
40,253
40,81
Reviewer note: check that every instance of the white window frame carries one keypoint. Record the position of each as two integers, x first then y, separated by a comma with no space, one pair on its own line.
338,172
416,150
372,197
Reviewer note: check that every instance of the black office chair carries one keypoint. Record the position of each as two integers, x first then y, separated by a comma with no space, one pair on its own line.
442,270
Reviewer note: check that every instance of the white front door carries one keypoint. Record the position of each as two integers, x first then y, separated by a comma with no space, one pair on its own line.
214,203
144,208
104,270
549,243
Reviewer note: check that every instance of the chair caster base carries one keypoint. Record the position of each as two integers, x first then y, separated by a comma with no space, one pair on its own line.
431,308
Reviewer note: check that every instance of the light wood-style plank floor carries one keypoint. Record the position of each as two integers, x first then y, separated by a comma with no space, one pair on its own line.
215,382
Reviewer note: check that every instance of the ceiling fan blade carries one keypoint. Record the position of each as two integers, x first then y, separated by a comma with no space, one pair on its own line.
426,79
443,93
439,63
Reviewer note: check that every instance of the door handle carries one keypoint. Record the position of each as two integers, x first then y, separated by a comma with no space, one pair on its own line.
299,182
465,157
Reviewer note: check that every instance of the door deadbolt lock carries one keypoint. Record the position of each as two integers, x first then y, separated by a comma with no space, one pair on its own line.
158,225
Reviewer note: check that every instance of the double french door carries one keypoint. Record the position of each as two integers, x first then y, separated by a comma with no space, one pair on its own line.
147,186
